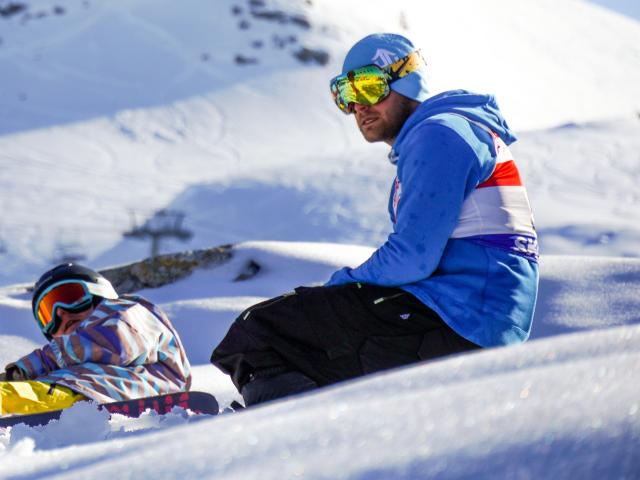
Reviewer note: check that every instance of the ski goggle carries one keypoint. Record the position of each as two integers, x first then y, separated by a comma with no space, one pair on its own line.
71,295
369,85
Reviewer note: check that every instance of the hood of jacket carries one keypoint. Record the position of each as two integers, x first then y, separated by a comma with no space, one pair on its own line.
479,108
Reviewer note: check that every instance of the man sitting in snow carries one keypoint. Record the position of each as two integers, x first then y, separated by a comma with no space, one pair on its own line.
457,273
101,347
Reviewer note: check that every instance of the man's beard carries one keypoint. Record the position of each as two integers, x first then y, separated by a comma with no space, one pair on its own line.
386,128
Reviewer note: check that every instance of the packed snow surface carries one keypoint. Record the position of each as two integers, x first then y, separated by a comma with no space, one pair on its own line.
112,111
555,406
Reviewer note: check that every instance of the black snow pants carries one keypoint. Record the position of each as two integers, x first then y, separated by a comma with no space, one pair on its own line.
317,336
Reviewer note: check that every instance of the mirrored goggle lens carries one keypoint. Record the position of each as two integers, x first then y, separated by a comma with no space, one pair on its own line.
366,86
66,295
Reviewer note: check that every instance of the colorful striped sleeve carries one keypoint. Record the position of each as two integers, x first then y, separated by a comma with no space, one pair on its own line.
111,341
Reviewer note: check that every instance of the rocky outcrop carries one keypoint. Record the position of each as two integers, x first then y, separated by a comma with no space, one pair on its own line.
283,38
164,269
308,55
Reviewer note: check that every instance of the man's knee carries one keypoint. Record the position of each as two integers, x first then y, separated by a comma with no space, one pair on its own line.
272,384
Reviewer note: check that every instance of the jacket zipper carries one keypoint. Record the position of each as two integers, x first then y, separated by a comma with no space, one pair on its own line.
384,299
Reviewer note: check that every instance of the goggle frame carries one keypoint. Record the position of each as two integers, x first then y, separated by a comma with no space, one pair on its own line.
50,326
385,75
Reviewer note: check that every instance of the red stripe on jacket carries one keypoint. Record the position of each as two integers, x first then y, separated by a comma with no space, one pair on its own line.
505,175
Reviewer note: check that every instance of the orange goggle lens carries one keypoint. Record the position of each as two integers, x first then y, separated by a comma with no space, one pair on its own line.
66,295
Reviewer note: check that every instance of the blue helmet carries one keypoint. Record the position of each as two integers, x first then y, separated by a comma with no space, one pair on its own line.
382,49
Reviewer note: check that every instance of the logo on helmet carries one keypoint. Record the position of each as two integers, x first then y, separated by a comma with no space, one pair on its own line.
383,57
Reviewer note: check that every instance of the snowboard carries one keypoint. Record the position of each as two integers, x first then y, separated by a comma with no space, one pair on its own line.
197,402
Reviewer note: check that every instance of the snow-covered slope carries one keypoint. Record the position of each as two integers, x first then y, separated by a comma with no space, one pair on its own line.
562,408
629,8
558,405
113,110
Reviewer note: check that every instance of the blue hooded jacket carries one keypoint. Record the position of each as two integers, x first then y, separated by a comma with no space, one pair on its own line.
463,239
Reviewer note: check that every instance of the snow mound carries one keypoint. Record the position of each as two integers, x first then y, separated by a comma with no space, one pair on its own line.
559,407
585,293
82,423
85,423
564,403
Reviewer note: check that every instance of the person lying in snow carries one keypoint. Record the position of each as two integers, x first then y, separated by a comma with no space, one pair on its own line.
102,347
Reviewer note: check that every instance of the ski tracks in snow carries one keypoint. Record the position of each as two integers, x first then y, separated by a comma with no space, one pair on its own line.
212,142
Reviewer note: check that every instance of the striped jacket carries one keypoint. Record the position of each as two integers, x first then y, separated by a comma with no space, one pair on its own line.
126,349
463,239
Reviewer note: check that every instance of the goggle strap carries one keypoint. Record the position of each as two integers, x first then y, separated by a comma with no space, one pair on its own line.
403,67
